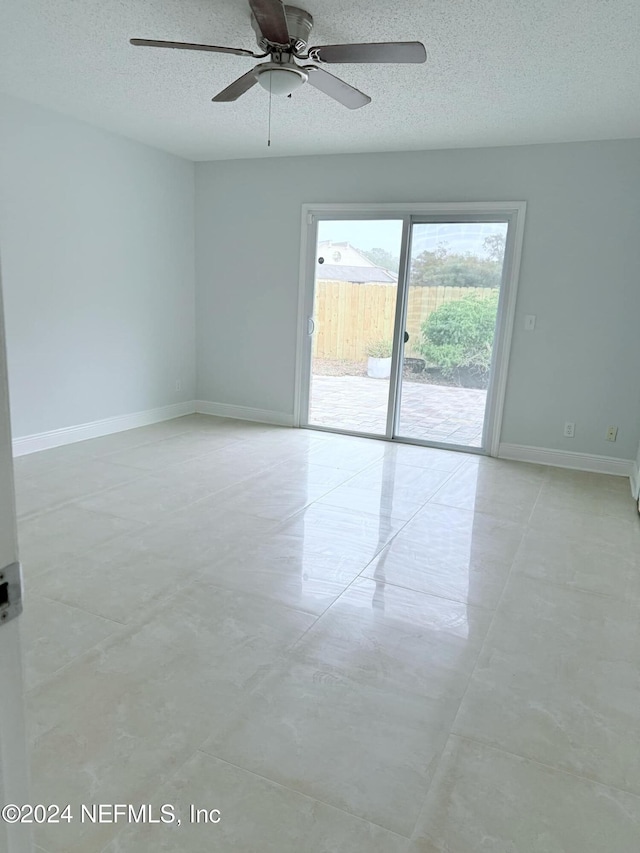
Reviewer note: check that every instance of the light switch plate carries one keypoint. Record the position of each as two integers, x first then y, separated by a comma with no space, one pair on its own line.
530,322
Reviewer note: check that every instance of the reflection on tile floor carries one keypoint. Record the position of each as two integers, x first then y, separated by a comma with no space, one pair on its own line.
344,645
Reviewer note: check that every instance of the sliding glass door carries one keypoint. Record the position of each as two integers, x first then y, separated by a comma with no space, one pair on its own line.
452,297
407,324
354,315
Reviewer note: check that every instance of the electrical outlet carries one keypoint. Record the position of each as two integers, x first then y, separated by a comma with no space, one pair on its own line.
178,385
612,433
569,429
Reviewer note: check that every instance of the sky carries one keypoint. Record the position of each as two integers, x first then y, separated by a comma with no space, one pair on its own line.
363,234
386,234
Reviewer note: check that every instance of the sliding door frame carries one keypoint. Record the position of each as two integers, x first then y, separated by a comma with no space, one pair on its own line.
512,212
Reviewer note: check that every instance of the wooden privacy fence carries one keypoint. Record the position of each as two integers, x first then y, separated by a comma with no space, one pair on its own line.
349,315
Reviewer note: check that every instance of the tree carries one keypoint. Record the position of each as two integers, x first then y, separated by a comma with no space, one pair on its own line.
382,258
453,269
429,269
494,246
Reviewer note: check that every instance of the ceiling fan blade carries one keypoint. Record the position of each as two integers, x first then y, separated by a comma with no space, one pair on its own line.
336,88
182,45
271,19
391,51
237,88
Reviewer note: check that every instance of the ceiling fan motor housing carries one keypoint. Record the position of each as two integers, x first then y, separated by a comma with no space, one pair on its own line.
299,24
281,76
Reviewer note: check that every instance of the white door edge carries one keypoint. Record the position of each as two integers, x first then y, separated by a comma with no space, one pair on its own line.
14,787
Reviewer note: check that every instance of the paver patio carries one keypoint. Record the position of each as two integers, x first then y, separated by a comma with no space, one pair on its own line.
429,412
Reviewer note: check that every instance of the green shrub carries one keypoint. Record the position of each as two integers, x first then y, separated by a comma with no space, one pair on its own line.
460,334
379,349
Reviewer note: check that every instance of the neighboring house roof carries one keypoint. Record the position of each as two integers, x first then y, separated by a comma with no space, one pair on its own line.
343,254
360,275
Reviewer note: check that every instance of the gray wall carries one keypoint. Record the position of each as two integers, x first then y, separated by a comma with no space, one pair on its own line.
580,275
97,247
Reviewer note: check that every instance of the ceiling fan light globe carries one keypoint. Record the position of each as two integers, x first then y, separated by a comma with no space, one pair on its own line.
281,81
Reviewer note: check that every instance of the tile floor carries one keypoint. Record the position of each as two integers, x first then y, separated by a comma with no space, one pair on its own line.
345,646
435,413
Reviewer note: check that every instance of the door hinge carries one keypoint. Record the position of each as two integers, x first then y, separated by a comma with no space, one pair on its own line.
309,218
10,592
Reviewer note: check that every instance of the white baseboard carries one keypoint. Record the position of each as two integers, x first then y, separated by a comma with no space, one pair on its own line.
567,459
68,435
244,413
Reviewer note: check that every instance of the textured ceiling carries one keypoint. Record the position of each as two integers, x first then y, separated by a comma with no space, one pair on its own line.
499,72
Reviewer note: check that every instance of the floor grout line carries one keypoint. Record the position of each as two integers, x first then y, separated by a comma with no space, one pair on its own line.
115,622
560,770
302,794
428,594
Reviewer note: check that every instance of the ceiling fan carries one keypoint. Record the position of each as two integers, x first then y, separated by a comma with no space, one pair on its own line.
282,33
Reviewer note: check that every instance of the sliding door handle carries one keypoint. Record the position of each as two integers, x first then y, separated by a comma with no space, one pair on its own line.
311,325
